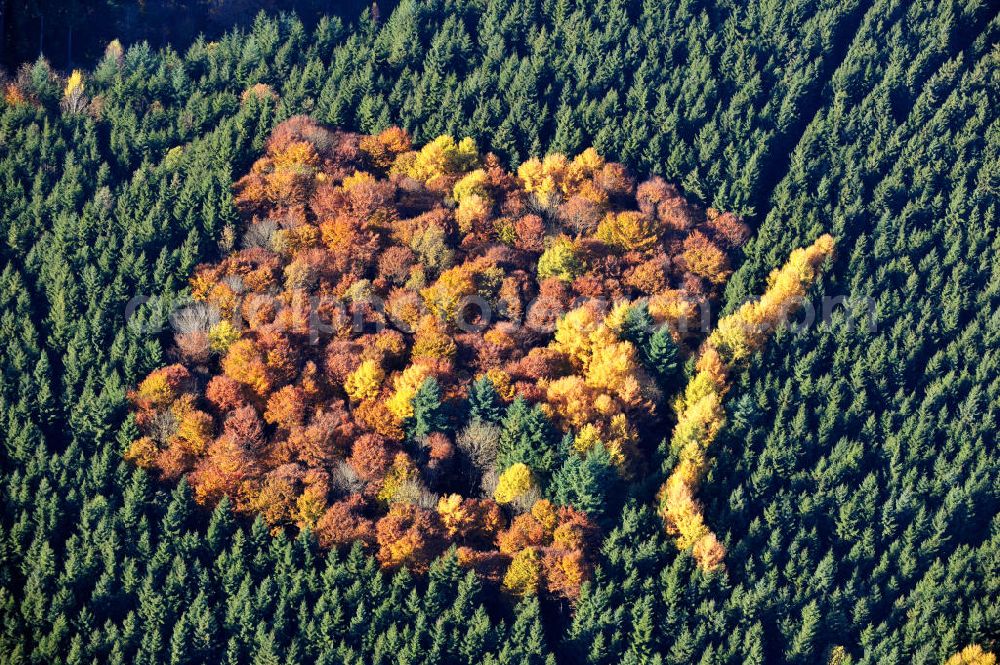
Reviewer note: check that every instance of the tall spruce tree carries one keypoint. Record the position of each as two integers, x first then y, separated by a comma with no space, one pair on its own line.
528,437
428,413
485,404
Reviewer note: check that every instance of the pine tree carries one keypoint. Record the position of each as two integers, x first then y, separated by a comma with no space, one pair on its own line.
643,628
484,402
265,648
178,511
589,483
220,526
804,641
661,356
568,137
204,629
656,346
428,414
527,437
638,325
526,643
478,638
180,642
443,578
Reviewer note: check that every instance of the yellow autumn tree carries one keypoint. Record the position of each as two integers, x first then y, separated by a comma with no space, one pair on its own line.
972,655
222,335
609,384
545,513
73,100
243,363
473,199
403,471
524,576
502,382
161,387
442,156
544,178
405,387
194,427
364,382
74,82
143,452
555,177
583,167
514,483
574,334
310,506
560,259
357,178
451,512
629,230
472,183
445,297
746,329
431,340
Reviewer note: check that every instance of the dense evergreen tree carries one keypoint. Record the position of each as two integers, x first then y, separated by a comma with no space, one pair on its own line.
661,355
428,414
485,404
528,437
590,483
659,351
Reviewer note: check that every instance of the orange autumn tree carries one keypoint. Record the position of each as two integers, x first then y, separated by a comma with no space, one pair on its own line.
378,291
700,414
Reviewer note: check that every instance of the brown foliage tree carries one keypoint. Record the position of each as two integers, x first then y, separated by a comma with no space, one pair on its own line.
344,522
410,536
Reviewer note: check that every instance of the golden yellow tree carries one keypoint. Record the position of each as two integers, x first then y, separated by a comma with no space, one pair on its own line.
364,382
608,387
524,574
560,259
442,156
629,230
514,483
405,386
972,655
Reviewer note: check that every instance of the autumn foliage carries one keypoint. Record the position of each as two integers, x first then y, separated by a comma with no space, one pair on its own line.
327,385
972,655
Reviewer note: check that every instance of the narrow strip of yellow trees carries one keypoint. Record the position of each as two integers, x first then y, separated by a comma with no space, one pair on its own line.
700,414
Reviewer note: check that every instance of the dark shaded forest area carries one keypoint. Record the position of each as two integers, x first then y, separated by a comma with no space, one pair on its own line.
73,33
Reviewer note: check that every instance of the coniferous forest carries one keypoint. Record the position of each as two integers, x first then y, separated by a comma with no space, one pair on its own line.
541,331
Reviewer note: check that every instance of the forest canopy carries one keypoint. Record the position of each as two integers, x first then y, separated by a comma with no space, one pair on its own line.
846,473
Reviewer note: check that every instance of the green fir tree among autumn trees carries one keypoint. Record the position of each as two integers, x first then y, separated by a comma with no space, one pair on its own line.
854,484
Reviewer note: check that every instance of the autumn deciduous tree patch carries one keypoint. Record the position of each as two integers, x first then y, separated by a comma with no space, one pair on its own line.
414,348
